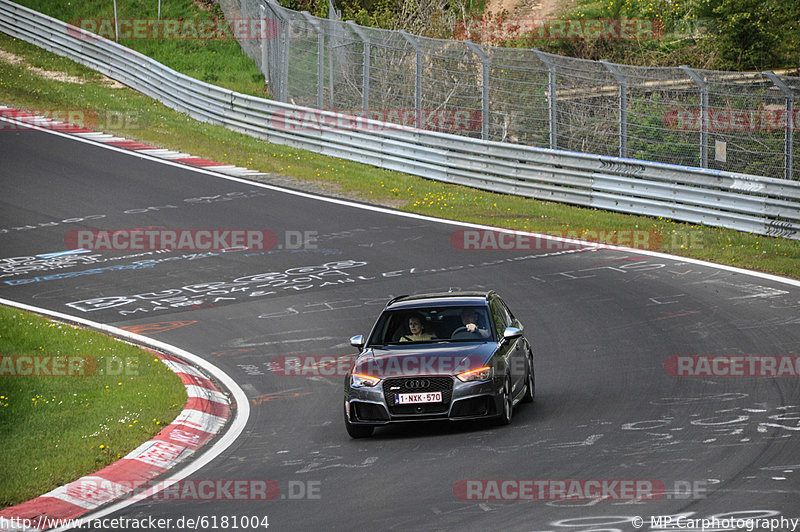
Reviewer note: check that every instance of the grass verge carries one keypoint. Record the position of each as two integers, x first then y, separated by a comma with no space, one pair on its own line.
89,400
151,122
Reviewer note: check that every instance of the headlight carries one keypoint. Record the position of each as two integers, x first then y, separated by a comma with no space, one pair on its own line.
358,380
480,374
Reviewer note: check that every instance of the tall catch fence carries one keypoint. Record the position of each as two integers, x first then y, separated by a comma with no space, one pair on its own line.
739,122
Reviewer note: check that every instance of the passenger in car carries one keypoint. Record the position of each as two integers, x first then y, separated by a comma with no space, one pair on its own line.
416,324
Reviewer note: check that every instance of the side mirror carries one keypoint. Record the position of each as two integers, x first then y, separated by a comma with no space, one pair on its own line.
357,341
510,333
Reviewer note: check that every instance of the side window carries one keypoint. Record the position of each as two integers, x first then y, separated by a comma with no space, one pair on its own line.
499,317
508,312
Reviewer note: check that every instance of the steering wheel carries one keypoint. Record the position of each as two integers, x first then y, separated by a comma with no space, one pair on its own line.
462,333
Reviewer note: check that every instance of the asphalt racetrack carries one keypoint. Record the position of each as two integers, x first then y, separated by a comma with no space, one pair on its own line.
603,324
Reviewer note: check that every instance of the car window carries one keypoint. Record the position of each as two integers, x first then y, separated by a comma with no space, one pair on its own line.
500,317
507,311
440,323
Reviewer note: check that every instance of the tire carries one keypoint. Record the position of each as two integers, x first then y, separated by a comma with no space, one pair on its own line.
530,383
357,431
508,404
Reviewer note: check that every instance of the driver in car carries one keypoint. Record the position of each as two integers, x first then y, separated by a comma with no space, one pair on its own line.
469,317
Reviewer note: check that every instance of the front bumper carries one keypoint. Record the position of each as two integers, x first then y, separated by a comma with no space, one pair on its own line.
461,401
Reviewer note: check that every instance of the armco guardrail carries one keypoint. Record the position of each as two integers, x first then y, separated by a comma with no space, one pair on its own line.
711,197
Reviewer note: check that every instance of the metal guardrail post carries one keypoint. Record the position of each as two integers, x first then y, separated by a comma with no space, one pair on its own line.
418,77
320,59
365,70
623,106
477,50
703,86
788,138
551,99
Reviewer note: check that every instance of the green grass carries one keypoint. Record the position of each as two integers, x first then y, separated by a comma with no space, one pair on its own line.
56,428
149,121
217,61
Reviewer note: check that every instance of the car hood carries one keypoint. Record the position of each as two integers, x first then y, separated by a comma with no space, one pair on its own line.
439,358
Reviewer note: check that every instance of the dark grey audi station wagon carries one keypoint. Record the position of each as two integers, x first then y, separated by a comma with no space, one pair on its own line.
439,356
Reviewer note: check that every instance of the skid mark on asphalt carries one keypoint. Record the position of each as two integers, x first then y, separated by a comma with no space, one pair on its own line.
323,462
232,352
261,399
252,342
159,327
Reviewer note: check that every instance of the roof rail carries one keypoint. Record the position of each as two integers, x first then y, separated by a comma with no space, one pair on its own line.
395,299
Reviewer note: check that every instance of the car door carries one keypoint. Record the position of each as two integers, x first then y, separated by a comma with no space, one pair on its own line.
512,351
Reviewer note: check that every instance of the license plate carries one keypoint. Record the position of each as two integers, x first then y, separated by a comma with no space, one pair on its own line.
414,398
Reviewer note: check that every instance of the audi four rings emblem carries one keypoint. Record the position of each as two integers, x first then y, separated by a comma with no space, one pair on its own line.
418,383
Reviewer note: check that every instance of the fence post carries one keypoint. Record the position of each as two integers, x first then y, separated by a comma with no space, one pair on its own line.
418,75
365,71
477,50
552,103
264,42
623,107
320,59
281,53
703,86
790,125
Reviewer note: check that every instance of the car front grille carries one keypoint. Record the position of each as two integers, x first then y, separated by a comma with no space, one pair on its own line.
418,385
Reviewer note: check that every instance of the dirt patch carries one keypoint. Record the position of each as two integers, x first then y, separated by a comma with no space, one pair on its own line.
203,5
535,9
8,57
525,13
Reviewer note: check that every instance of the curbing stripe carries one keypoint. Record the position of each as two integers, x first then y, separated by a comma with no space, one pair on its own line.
189,436
206,412
193,380
178,367
199,420
208,394
29,118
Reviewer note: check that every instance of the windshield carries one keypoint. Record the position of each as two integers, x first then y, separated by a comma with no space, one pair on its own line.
432,324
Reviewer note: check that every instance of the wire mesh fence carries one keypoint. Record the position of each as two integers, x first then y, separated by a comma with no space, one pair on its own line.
740,122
